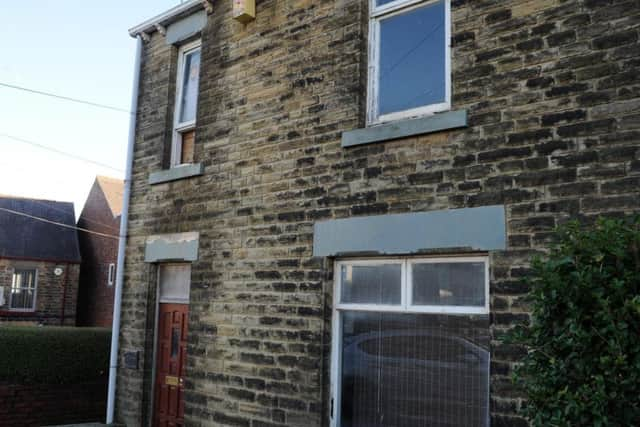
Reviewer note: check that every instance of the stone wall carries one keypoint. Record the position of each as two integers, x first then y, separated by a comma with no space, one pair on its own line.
51,291
552,90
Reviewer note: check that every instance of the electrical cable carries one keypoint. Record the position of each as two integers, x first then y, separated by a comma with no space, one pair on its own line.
66,98
55,150
63,211
73,227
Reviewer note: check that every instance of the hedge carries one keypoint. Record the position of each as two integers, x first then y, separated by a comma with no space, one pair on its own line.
582,367
53,355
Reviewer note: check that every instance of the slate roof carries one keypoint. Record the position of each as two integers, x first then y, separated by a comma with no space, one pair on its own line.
28,238
112,188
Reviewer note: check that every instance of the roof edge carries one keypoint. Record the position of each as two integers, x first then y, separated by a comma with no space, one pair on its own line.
34,199
167,17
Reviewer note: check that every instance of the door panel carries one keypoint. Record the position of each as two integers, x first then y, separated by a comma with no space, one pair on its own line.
170,365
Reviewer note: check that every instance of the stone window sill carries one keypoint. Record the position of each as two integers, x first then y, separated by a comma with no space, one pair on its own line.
176,173
405,128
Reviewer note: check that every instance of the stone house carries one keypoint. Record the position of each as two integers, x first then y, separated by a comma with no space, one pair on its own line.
100,214
39,262
333,204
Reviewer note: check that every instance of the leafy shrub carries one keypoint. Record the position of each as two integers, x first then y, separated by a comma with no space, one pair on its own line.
582,367
53,355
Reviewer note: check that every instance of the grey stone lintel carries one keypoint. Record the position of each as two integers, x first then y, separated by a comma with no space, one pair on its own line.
469,229
186,27
405,128
176,173
172,247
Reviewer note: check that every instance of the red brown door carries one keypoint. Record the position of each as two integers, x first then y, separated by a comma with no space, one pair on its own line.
170,364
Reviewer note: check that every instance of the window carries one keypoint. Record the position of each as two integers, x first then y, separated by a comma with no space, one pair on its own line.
409,59
111,274
186,104
411,343
23,290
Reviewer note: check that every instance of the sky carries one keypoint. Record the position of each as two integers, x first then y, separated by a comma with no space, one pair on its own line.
75,48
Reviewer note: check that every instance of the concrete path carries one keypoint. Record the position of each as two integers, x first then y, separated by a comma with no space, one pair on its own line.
81,425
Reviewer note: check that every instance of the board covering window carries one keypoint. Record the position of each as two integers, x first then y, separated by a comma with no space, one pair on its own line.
23,290
186,104
411,343
409,59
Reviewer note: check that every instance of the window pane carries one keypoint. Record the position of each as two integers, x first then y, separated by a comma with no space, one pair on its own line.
371,284
23,288
190,80
175,280
414,370
22,299
454,283
412,59
382,2
24,279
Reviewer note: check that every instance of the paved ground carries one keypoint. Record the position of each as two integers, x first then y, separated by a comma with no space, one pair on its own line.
81,425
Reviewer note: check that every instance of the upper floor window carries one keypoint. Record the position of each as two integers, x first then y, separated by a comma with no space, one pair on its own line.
23,290
409,59
186,104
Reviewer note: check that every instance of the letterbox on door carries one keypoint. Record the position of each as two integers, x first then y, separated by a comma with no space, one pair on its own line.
244,10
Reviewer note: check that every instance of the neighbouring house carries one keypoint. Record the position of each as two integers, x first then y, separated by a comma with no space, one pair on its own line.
333,204
39,261
101,215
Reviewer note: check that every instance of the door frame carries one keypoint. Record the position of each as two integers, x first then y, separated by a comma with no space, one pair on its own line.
156,322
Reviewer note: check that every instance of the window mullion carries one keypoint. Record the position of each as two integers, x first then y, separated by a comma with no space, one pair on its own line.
405,286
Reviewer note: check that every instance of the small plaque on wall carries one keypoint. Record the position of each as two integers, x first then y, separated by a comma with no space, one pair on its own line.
131,359
244,10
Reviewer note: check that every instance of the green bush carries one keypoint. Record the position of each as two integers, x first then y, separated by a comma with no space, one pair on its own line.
582,367
53,355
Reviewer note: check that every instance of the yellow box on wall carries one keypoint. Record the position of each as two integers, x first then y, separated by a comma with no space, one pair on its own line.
244,10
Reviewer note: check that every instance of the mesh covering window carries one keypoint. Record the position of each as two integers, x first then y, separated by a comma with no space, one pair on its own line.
175,280
404,367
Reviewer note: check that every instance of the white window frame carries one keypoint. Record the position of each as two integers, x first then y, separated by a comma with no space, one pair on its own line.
111,274
404,307
178,126
35,290
378,14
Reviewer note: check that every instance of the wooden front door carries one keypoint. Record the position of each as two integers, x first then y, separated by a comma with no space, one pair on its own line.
170,364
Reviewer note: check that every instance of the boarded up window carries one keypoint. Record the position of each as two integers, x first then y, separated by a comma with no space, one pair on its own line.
188,140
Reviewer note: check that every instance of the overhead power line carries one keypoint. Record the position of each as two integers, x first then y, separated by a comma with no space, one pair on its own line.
60,224
66,98
55,150
48,206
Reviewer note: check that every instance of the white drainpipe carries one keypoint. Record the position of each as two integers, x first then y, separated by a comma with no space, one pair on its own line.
124,218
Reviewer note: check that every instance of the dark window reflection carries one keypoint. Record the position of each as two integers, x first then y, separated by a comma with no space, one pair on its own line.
405,370
175,342
412,58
